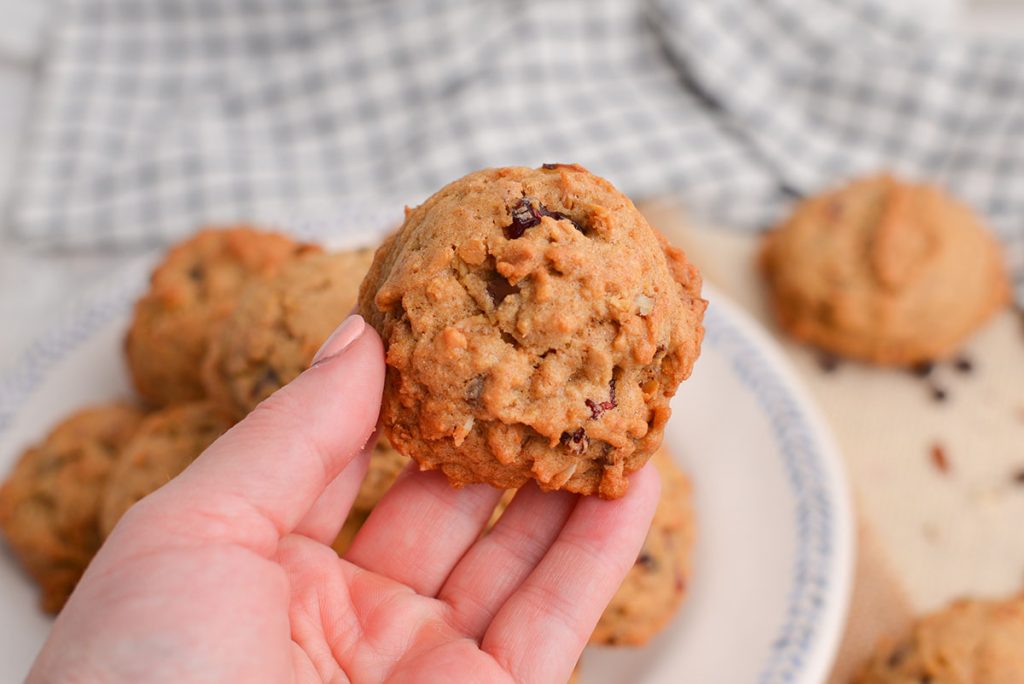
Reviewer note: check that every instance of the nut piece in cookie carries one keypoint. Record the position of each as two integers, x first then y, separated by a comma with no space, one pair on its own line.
50,503
165,444
655,586
278,325
970,641
884,271
535,327
190,292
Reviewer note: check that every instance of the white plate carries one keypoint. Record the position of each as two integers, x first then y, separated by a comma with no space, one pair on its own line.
773,558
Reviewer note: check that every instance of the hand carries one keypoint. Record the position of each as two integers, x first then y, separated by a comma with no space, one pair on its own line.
226,573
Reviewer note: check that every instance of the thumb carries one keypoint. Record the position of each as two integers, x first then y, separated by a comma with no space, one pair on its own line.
258,481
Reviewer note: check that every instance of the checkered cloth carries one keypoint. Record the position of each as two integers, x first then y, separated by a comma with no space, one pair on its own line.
158,115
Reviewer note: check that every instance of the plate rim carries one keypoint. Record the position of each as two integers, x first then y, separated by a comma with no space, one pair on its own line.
806,643
796,656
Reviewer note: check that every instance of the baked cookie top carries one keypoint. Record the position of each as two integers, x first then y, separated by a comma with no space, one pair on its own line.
655,586
165,444
968,642
279,324
535,327
884,271
49,504
191,291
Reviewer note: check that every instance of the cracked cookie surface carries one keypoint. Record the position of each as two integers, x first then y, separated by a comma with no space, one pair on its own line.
535,327
50,503
884,271
191,291
968,642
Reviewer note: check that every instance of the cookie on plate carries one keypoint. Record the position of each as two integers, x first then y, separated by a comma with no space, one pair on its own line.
278,326
655,586
49,504
968,642
884,271
164,445
535,327
191,291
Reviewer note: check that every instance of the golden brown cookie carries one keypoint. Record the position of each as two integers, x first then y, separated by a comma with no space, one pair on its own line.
535,327
164,445
191,291
49,504
884,271
968,642
656,584
278,326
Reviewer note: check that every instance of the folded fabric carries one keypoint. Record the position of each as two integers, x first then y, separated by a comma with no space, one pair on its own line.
155,116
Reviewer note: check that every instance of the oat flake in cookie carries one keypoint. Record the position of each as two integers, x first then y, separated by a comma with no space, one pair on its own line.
535,327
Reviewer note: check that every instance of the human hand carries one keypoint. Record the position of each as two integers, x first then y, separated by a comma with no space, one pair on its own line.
226,574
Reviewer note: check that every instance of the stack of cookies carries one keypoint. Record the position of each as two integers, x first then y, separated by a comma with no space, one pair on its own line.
545,346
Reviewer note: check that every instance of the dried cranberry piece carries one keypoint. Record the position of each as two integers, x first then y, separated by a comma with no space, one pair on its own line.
549,166
597,409
647,561
499,288
524,216
559,216
576,442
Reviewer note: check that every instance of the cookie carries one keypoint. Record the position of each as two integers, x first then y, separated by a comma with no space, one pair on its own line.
884,271
191,291
655,586
164,445
535,327
278,326
968,642
50,503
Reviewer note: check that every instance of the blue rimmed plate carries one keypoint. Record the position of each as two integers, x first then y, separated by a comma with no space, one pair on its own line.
773,559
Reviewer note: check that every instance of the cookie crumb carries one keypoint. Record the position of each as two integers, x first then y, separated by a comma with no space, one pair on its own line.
963,364
923,369
828,363
939,458
939,394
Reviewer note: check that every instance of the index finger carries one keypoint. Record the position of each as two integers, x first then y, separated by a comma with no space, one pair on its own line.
259,480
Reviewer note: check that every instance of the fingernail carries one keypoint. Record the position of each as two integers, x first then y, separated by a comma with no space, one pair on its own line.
344,335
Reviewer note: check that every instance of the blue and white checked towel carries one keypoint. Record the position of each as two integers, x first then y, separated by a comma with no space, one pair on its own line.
158,115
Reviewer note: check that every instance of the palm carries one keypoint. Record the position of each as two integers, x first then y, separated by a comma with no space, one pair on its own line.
225,574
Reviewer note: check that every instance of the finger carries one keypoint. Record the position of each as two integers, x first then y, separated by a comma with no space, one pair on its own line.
421,528
328,513
497,564
259,480
541,630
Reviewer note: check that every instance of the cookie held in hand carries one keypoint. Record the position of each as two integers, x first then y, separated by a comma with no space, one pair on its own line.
535,327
